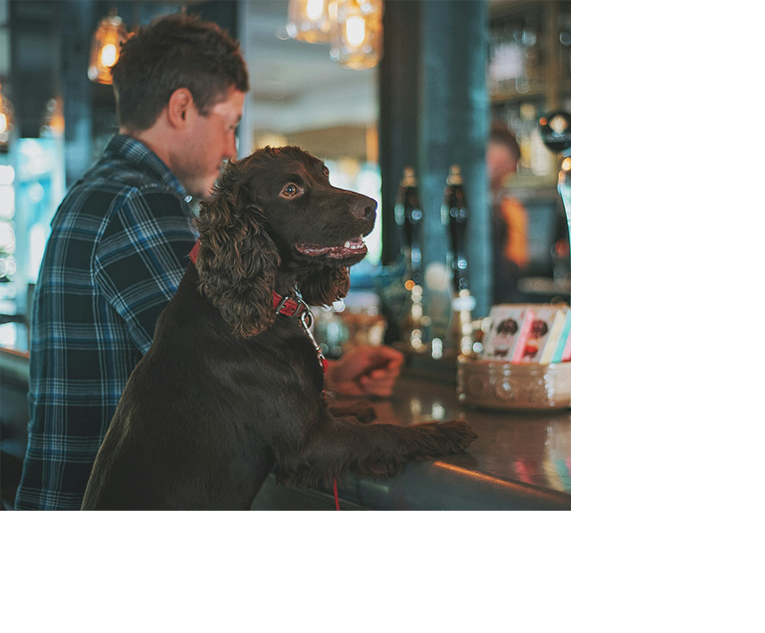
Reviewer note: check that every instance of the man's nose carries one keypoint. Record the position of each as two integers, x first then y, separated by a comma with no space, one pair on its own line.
364,208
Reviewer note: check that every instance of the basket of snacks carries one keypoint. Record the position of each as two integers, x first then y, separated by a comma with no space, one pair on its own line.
525,360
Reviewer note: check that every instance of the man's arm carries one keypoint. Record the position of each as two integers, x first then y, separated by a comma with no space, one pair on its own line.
366,370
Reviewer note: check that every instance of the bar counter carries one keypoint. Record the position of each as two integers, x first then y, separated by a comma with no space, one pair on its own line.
520,461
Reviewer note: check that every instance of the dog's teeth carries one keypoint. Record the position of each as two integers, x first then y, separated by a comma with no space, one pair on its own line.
347,244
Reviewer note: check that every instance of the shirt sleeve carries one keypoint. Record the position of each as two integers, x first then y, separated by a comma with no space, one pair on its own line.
141,257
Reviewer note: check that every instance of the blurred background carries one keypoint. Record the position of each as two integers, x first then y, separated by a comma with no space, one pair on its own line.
55,121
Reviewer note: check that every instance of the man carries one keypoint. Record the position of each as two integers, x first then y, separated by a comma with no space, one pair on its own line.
511,252
119,245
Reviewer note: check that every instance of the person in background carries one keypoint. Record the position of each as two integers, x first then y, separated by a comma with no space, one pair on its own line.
119,246
510,218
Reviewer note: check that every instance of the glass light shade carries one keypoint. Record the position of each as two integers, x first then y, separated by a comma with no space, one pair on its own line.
105,48
357,33
310,20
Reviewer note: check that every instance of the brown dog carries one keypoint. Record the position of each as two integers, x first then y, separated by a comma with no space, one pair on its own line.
229,387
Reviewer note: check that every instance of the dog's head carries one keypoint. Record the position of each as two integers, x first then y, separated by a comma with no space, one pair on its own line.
275,211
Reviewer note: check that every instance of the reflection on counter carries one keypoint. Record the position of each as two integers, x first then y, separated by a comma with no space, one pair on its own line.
520,460
530,447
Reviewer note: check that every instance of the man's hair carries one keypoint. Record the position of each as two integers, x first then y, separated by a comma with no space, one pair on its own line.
500,134
175,51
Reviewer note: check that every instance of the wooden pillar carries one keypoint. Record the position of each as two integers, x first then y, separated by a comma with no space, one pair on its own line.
79,20
399,80
434,112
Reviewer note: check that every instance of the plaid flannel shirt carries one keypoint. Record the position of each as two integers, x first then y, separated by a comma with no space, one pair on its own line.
118,248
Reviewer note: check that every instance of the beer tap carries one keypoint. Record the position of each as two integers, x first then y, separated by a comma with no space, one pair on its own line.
555,129
454,216
408,216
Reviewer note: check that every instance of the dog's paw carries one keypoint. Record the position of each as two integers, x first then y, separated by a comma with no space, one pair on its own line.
444,438
458,435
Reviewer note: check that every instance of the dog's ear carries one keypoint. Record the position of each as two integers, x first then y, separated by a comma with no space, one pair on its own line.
237,260
322,285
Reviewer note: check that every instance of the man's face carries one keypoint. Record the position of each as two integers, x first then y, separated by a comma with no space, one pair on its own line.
210,140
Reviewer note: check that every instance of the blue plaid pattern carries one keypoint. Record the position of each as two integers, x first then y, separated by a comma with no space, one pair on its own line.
118,248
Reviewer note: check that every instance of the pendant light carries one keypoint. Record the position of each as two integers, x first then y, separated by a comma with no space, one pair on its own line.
357,34
105,48
310,20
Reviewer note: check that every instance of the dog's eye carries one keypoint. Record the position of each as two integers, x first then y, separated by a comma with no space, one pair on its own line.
290,190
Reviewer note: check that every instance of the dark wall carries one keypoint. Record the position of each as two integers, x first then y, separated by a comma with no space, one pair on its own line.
35,66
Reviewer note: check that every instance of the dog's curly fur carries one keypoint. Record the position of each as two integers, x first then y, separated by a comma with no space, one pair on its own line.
229,390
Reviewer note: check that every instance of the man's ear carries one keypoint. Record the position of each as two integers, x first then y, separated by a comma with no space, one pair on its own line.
179,106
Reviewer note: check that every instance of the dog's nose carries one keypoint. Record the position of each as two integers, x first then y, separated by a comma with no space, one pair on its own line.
364,208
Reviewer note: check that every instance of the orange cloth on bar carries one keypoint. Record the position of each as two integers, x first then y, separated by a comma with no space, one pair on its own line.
517,222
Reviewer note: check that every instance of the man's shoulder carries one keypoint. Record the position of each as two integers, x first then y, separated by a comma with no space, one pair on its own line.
113,175
110,186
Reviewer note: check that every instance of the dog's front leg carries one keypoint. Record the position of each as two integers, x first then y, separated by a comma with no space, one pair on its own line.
333,447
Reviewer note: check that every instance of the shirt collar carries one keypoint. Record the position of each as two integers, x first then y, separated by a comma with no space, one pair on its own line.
136,153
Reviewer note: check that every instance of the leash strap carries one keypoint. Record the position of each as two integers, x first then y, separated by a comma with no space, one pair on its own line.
306,320
289,307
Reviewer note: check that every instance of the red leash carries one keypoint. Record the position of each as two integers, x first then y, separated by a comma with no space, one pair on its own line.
334,481
289,307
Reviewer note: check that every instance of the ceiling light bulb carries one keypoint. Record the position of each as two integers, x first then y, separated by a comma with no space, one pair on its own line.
109,55
314,9
355,30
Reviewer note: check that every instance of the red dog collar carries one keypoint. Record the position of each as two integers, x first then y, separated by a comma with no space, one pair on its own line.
287,305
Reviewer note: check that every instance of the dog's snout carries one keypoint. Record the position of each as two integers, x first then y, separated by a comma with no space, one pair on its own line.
364,208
